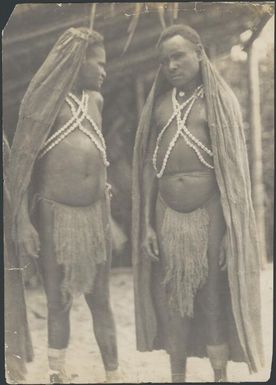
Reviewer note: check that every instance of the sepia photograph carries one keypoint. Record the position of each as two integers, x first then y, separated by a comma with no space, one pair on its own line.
138,192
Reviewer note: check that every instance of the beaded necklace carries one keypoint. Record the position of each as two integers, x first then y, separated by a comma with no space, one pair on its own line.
76,123
195,143
182,131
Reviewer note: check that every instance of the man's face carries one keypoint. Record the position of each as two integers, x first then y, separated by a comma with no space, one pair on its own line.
180,61
92,71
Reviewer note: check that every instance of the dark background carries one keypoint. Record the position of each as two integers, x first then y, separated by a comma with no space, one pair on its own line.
33,29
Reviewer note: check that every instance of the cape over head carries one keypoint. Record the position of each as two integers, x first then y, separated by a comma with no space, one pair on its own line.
232,174
41,104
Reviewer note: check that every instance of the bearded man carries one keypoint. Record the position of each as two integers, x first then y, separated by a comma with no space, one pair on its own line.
195,253
59,193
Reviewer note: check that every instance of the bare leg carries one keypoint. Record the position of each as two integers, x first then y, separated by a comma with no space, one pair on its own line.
103,322
220,375
174,329
178,342
58,305
52,273
211,296
178,368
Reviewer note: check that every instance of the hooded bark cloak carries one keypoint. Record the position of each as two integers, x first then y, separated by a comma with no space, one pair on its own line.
40,106
18,344
241,246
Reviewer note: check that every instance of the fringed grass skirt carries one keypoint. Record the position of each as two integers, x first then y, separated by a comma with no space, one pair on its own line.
183,239
80,242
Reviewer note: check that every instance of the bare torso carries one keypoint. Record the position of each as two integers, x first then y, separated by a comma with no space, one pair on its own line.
186,183
73,171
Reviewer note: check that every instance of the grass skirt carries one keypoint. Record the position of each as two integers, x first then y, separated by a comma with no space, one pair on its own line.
183,239
80,236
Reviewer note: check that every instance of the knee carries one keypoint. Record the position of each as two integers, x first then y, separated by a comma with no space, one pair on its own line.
178,345
59,304
98,303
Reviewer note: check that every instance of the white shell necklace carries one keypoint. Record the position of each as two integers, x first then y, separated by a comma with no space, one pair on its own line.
76,123
197,145
182,131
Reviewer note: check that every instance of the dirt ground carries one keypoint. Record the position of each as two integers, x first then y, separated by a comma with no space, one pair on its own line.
83,360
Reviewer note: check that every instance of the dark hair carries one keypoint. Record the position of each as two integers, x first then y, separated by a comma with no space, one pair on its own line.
182,30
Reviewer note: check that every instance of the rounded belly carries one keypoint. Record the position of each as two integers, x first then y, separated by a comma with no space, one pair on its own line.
73,172
186,192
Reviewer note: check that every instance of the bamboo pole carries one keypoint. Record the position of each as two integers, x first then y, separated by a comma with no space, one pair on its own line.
256,149
161,14
92,16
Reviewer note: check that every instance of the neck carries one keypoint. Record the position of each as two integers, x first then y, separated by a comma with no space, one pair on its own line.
77,89
190,87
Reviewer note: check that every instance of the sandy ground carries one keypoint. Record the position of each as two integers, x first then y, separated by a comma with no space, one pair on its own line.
83,360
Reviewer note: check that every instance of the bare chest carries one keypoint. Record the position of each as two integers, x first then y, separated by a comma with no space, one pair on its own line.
77,130
196,123
73,170
88,118
76,142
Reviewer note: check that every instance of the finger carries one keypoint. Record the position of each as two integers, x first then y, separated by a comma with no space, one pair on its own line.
32,252
23,248
222,261
36,244
155,258
145,251
221,258
224,266
35,241
150,252
155,246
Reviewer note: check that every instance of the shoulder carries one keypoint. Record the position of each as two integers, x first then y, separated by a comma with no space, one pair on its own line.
97,98
161,102
163,99
63,113
200,107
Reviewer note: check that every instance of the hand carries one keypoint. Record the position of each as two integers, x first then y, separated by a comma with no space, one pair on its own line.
27,241
150,244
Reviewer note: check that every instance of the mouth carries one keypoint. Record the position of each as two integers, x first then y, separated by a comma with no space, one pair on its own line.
175,77
101,80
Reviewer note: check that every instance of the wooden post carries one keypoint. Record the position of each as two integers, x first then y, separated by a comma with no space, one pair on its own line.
256,149
92,16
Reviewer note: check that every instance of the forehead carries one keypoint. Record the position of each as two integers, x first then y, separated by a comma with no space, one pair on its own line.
96,52
175,44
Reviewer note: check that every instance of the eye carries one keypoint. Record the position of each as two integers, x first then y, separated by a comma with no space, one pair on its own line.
163,61
178,55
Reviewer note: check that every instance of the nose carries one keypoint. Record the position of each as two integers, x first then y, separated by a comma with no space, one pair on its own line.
103,73
172,65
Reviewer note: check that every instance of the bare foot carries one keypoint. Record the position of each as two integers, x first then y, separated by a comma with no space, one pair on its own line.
114,376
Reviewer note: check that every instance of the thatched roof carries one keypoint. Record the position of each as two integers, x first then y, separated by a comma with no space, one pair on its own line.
33,28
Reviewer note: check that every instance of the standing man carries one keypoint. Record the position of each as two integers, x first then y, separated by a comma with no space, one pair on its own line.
59,194
194,238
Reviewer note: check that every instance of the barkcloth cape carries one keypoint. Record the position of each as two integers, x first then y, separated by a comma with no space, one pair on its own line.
40,106
18,344
241,247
